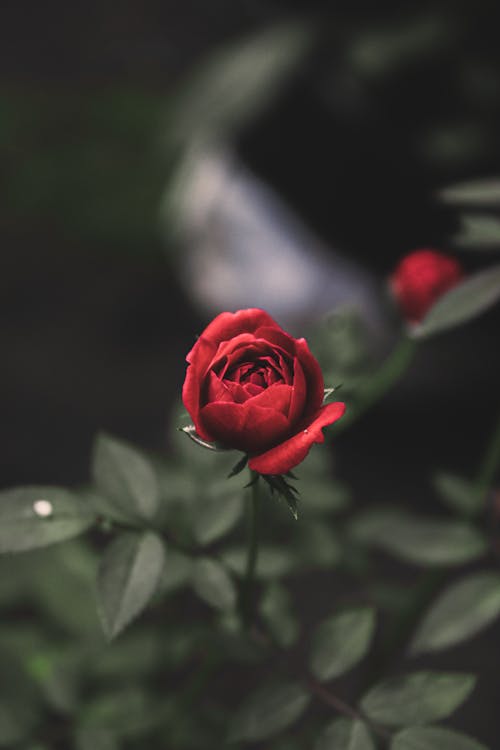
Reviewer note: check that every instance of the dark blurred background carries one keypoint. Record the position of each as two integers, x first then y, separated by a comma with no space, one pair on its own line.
389,103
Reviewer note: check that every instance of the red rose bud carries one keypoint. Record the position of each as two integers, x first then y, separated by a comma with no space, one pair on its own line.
420,279
252,387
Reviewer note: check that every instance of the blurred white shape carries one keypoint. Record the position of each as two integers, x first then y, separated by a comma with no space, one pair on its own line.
243,247
43,508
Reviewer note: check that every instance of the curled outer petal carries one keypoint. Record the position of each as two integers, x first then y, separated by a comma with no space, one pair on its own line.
289,453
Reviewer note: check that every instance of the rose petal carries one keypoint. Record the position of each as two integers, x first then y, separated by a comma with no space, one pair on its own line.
245,427
191,400
286,455
252,390
222,390
277,337
277,397
228,325
285,366
314,376
238,374
202,353
230,353
247,354
298,393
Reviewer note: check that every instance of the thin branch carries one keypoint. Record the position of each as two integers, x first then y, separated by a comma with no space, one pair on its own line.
333,701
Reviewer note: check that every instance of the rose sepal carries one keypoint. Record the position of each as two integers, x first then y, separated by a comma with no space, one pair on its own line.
238,467
279,485
190,431
328,392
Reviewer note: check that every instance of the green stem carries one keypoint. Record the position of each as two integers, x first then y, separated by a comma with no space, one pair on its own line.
247,591
489,465
380,382
339,705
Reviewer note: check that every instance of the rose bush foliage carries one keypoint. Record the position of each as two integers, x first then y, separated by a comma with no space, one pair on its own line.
251,386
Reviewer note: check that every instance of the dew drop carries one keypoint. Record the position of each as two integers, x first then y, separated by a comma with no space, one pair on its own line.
306,432
43,508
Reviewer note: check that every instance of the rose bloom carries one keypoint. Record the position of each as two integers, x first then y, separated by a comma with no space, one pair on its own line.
420,279
252,387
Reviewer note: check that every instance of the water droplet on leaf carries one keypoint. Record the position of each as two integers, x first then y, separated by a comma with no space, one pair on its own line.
43,508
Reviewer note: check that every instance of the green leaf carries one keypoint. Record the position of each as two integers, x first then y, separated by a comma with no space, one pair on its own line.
458,493
125,477
478,193
465,301
465,608
177,571
104,508
216,515
340,642
419,539
272,561
213,584
239,80
275,609
418,698
73,565
129,711
268,711
478,231
434,738
32,517
128,577
345,734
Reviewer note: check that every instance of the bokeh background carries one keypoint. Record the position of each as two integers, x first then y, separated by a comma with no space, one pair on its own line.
148,184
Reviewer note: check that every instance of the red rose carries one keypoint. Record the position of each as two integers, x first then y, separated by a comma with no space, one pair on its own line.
420,279
252,387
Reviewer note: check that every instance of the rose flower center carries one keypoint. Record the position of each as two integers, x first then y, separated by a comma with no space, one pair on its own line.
260,374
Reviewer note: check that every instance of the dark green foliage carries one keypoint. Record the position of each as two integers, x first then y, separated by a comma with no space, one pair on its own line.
459,494
418,698
461,611
417,539
125,478
129,574
212,583
340,642
433,738
32,517
469,299
345,734
269,711
175,530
